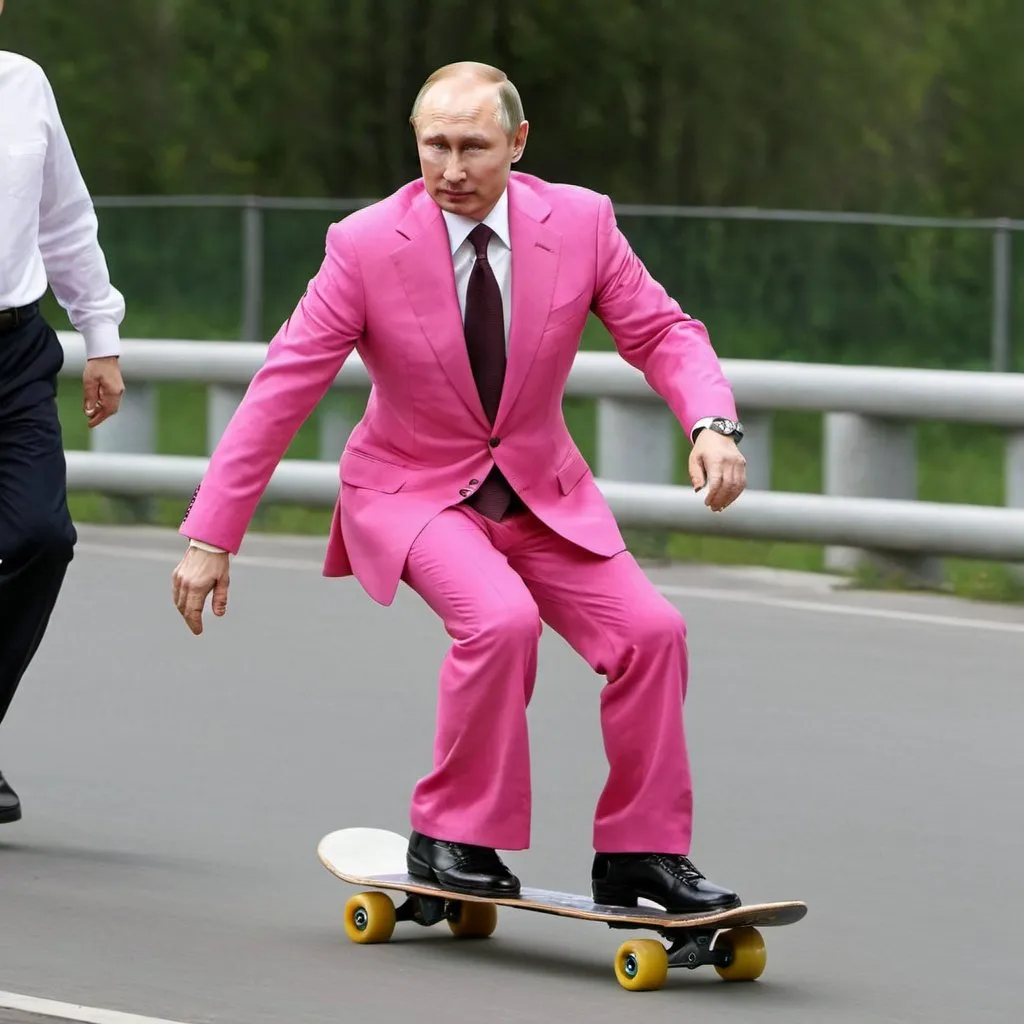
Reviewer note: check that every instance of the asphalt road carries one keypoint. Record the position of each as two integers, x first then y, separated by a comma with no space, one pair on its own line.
858,751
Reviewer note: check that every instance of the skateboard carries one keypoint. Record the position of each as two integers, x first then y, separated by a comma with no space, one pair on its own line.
728,940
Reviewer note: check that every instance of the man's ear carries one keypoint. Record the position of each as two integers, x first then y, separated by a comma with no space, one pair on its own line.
519,144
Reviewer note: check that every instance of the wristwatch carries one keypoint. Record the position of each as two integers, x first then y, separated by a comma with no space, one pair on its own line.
720,425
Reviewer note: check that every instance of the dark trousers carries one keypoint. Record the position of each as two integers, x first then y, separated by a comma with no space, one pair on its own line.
37,536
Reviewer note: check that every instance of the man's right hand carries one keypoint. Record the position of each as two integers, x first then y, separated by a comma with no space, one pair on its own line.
195,576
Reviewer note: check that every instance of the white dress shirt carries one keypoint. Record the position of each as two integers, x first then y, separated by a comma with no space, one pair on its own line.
499,254
48,227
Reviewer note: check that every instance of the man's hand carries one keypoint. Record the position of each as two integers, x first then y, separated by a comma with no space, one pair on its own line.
195,576
716,461
103,388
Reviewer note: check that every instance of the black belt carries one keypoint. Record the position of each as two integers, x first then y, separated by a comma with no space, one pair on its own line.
12,318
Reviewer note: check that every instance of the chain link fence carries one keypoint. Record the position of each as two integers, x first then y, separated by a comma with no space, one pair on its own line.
770,284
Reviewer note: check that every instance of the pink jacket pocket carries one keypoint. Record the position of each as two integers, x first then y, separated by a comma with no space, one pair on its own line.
572,471
361,470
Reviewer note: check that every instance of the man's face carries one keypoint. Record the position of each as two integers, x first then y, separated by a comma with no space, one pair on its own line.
465,155
1,6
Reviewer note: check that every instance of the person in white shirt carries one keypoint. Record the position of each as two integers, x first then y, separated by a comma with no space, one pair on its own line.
48,237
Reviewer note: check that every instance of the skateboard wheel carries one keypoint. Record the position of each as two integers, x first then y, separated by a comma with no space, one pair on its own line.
369,917
641,965
748,954
474,920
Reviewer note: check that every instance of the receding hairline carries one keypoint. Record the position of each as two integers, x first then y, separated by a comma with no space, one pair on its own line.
509,106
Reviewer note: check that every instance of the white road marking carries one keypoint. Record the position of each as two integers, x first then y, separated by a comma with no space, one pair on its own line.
718,595
72,1011
893,614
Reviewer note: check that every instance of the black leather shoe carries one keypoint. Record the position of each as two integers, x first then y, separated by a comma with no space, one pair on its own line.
474,870
670,880
10,805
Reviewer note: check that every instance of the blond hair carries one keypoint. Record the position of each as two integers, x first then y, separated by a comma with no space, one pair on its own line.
509,107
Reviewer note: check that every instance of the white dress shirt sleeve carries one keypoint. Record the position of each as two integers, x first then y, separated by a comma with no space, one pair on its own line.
700,425
203,546
69,244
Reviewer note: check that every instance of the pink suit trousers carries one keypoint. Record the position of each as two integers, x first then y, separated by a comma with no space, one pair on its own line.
492,585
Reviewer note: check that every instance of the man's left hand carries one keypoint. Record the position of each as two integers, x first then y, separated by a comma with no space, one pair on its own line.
717,462
103,388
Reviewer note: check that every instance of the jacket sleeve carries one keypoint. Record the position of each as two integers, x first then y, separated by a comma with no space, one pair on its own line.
653,334
303,359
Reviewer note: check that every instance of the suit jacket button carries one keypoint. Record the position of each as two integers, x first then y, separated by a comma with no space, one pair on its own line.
473,483
464,492
494,442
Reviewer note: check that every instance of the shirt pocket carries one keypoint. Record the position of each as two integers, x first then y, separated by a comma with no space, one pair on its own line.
21,169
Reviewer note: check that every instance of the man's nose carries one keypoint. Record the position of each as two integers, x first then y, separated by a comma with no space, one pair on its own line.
454,171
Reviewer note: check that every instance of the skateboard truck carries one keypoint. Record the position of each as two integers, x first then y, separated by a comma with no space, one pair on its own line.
425,910
694,950
463,918
690,947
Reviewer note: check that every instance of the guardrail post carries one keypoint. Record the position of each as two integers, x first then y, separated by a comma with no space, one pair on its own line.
1014,476
221,402
636,443
868,457
131,431
757,449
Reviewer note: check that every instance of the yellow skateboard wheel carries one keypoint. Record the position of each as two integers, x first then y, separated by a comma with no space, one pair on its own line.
475,920
641,965
748,954
369,917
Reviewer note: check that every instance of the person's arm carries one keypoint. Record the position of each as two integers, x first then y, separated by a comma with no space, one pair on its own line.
302,361
674,353
76,267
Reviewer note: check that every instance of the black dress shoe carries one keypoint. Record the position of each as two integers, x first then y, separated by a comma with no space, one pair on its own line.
10,805
474,870
670,880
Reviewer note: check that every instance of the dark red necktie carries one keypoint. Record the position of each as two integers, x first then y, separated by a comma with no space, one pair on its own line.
485,341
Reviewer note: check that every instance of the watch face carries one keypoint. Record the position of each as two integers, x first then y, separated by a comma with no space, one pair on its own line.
730,428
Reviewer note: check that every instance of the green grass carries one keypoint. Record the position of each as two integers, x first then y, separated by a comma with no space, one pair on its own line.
955,464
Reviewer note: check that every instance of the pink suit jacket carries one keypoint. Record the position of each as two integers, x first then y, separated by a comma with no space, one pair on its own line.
386,288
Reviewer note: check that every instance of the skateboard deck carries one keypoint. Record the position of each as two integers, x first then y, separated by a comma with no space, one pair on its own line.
374,859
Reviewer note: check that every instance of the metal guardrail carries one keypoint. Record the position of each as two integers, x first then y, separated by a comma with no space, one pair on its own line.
870,464
899,393
911,527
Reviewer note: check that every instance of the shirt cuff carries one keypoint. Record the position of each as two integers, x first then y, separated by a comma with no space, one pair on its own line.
203,546
701,424
102,339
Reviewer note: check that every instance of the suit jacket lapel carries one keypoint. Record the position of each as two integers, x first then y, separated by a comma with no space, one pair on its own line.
535,255
425,269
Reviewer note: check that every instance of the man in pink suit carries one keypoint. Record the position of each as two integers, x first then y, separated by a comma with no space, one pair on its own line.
465,294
